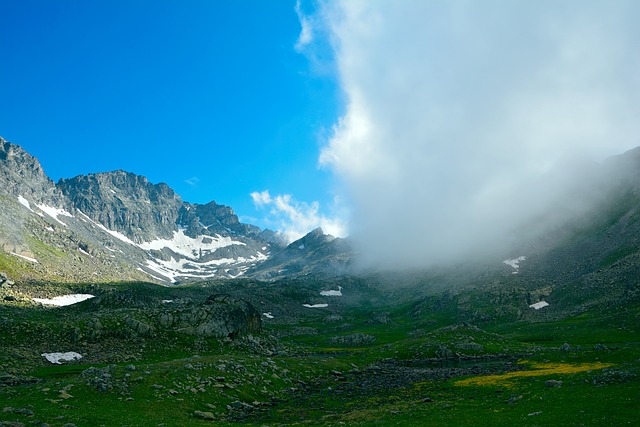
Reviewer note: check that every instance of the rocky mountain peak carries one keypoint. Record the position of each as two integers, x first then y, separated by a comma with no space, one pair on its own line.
22,175
125,202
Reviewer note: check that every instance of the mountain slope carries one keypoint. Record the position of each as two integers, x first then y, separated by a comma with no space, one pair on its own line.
119,226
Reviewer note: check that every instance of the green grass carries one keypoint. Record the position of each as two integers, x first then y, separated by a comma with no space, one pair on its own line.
307,379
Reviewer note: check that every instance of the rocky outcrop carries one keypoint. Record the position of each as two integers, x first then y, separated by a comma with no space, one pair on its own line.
219,316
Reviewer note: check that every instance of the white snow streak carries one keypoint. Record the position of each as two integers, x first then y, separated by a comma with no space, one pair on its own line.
24,257
315,305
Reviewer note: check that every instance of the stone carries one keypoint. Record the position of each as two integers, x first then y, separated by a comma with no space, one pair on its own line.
470,346
553,383
204,415
353,339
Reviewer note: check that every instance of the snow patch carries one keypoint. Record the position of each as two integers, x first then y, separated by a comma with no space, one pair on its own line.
50,229
515,263
24,257
539,305
301,246
54,212
332,293
315,305
57,357
64,300
268,315
167,301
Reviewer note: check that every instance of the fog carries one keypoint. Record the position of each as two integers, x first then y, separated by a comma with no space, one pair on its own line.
457,110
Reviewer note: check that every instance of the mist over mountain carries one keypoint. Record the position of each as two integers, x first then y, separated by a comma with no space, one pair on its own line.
467,121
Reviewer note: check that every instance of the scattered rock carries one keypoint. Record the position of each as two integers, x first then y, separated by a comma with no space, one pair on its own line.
379,319
204,415
553,383
139,327
353,339
470,346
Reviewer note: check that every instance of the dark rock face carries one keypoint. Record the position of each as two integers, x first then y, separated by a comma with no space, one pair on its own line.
219,316
125,202
22,175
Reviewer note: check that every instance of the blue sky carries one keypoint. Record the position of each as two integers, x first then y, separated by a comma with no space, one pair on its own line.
210,97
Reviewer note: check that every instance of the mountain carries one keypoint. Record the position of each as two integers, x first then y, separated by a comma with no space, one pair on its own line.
316,253
118,226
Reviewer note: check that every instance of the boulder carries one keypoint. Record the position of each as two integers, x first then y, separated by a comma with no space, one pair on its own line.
219,316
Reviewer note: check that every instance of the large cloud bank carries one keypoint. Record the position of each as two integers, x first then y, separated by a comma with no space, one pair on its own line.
454,107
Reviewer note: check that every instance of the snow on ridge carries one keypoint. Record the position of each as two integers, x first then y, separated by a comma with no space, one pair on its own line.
54,212
57,357
515,263
25,257
64,300
189,246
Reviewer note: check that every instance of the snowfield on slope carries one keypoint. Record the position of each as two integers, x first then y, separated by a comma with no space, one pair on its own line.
190,247
64,300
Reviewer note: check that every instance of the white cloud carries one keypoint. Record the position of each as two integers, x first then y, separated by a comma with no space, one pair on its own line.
306,31
193,181
454,108
294,219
